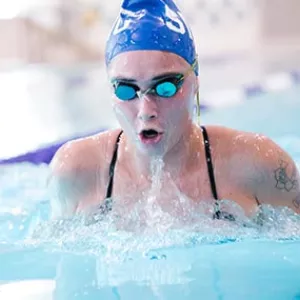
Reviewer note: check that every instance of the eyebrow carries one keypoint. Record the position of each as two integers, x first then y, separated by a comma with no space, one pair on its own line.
156,78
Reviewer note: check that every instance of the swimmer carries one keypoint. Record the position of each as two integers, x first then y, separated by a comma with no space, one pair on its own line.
153,72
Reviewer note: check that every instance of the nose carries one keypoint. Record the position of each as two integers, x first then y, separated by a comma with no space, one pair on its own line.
148,109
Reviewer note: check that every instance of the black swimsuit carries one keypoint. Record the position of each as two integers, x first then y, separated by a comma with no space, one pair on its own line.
218,214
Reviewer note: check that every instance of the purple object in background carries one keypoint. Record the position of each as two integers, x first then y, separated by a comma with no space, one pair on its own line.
42,155
45,154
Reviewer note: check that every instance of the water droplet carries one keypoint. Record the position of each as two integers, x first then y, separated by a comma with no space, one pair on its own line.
16,211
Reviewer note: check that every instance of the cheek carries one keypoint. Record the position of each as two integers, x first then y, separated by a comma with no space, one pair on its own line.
187,99
179,107
125,111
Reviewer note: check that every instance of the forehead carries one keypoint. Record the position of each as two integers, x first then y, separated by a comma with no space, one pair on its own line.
143,65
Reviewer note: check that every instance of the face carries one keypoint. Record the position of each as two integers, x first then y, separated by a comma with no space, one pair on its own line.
153,98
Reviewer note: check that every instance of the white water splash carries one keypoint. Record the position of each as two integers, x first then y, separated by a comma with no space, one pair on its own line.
27,222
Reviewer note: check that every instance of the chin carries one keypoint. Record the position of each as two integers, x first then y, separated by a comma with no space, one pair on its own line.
152,151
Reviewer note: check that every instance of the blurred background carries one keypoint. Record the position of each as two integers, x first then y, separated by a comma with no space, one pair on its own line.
53,84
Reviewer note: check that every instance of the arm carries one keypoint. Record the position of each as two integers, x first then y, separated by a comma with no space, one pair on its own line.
63,186
278,181
71,181
79,174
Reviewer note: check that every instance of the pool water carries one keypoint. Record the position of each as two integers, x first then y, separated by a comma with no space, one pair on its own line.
68,259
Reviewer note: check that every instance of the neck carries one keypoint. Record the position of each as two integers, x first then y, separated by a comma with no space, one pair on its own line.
177,160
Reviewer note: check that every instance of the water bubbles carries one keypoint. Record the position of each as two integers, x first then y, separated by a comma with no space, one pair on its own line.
260,137
257,147
16,211
146,227
10,226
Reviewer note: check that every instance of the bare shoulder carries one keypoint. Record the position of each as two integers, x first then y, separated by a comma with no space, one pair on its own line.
84,153
259,164
228,142
237,143
78,173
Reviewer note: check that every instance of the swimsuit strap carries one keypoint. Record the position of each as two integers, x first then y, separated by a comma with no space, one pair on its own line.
218,214
112,168
209,163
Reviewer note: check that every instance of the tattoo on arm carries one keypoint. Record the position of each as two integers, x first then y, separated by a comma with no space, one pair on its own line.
283,180
286,182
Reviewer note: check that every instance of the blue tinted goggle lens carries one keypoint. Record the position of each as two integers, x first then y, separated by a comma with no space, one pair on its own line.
165,89
125,92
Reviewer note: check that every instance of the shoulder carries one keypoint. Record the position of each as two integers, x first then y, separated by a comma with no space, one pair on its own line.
248,150
259,165
84,154
235,155
77,172
249,145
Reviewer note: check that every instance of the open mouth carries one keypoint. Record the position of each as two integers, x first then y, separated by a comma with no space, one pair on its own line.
150,135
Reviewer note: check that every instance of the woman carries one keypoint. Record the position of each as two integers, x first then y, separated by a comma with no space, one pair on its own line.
153,71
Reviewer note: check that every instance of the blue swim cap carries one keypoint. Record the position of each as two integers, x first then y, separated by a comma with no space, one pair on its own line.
151,25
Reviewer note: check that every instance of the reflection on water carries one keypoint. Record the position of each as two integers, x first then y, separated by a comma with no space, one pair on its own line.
176,265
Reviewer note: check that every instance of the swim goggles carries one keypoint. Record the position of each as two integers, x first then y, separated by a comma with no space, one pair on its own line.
165,87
